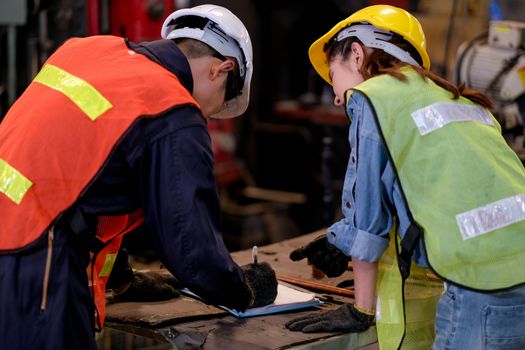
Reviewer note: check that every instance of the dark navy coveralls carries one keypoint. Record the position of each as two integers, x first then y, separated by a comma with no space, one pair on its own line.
163,165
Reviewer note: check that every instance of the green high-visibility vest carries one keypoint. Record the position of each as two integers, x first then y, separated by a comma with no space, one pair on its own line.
463,184
405,312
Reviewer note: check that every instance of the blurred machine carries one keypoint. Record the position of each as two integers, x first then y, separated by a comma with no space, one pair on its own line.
137,20
494,63
31,30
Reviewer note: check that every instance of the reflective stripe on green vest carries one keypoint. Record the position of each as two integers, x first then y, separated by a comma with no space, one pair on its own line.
463,184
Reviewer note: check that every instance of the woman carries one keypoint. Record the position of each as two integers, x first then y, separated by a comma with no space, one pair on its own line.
429,157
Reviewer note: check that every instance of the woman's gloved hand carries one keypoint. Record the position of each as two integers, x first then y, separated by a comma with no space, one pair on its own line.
148,286
323,255
263,283
346,318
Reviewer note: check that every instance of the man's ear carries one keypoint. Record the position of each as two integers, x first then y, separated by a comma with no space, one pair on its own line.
219,68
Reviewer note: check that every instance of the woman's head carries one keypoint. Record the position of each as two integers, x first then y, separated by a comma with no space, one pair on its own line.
377,40
366,63
387,35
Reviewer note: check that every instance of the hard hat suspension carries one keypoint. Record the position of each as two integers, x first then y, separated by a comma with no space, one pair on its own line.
376,38
210,33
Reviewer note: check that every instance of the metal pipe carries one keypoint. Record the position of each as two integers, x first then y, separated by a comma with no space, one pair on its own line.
316,286
11,64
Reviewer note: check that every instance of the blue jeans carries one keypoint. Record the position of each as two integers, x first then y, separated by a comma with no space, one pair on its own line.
467,319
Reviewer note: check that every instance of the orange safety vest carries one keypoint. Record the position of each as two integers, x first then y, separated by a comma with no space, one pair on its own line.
110,232
57,136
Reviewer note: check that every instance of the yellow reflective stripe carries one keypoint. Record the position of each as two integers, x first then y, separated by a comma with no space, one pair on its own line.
85,96
108,265
12,183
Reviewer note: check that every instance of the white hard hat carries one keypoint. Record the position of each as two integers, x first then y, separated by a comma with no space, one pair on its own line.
226,34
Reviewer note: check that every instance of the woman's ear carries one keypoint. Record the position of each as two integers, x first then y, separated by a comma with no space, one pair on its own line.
218,68
358,54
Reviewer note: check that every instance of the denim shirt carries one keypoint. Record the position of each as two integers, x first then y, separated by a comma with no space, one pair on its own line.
371,198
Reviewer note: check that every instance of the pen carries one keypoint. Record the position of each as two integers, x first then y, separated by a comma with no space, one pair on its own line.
254,254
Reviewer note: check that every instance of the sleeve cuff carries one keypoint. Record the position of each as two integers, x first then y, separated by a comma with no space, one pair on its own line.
356,243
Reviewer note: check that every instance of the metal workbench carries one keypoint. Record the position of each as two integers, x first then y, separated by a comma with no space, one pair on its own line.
186,323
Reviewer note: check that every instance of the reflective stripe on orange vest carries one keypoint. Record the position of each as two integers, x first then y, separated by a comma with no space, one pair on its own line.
58,134
80,92
12,183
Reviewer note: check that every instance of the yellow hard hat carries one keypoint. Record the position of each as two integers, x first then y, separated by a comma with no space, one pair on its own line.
388,19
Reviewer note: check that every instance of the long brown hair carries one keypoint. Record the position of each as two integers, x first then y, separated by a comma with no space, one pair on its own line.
379,62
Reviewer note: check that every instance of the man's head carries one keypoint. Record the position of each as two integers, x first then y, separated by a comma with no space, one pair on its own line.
219,50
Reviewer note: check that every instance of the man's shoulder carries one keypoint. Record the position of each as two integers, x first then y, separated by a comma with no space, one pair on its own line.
176,124
172,121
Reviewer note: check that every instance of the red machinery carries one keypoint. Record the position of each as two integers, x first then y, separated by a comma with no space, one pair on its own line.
138,20
141,20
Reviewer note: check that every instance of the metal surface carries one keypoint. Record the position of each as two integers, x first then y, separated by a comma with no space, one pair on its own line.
259,333
186,323
13,12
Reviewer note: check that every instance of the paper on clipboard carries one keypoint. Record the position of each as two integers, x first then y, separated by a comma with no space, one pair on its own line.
287,299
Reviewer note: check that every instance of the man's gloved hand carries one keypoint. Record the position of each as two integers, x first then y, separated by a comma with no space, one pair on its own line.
263,283
323,255
344,319
149,286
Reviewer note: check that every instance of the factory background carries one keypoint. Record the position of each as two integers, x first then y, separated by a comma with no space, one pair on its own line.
280,166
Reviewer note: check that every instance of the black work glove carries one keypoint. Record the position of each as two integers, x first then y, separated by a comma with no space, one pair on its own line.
323,255
149,286
344,319
263,283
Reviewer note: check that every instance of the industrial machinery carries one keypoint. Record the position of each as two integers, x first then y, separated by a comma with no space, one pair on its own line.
494,62
31,30
138,20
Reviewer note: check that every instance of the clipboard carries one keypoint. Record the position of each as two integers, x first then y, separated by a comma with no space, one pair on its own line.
288,298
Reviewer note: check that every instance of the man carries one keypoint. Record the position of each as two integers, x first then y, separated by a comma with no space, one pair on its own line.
111,134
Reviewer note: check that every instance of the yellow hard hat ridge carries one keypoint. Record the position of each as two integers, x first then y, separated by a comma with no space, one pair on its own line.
385,17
